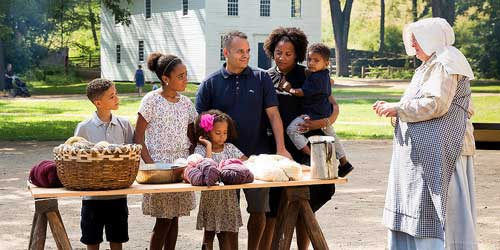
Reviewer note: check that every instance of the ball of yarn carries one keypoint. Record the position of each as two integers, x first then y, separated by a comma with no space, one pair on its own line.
230,161
211,173
44,174
233,172
204,173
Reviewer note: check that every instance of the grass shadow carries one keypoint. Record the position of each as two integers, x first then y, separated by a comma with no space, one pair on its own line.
37,130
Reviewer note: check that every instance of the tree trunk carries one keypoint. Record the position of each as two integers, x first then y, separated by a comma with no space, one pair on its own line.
61,20
414,10
382,26
444,9
92,20
2,66
340,22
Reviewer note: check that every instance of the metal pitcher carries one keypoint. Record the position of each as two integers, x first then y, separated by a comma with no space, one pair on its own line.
323,161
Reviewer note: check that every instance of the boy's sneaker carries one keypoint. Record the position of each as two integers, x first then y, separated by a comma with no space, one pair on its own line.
345,169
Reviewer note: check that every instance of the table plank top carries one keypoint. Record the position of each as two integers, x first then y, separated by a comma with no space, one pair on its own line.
38,192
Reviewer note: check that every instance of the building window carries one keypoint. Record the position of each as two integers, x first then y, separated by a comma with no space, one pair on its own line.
185,7
222,57
296,8
232,7
141,51
147,4
265,7
118,53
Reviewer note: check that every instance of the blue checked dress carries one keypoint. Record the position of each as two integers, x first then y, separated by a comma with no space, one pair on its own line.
424,157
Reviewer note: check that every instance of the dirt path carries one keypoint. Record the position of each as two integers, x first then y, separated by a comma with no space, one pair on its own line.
350,221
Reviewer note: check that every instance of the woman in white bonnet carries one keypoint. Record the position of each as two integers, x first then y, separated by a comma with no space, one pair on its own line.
430,200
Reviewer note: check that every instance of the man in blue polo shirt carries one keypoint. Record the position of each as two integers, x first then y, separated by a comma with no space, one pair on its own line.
248,96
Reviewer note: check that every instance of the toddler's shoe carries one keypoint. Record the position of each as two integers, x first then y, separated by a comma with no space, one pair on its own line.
345,169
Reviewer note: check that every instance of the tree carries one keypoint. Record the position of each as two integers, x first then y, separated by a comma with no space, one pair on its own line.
382,26
414,9
93,22
483,48
444,9
340,21
23,27
122,15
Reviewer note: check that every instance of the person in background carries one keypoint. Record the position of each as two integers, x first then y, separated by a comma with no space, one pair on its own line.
8,81
139,79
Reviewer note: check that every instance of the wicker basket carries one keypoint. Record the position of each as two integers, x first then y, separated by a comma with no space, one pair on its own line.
112,167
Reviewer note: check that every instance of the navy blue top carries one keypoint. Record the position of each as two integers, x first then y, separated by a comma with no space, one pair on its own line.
244,97
139,78
316,90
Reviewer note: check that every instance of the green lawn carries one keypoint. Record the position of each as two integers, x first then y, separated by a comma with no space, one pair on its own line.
31,119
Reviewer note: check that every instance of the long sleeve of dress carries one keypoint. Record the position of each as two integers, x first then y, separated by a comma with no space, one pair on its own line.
438,89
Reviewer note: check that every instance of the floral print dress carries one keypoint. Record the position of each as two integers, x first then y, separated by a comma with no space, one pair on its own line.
166,140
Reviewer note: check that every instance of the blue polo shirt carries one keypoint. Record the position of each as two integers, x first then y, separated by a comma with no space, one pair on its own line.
244,97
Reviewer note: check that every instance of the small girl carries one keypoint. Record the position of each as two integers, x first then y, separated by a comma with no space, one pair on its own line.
219,210
164,123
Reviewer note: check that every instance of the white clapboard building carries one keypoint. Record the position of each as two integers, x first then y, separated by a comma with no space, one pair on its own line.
192,30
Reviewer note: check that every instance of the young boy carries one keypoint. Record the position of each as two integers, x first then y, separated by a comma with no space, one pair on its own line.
109,212
316,90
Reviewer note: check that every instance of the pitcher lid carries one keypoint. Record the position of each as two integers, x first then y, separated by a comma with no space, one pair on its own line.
321,139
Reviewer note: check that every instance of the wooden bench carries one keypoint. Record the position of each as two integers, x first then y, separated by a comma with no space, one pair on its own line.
487,135
294,203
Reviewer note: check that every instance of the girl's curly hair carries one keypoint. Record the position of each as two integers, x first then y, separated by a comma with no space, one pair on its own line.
294,35
219,116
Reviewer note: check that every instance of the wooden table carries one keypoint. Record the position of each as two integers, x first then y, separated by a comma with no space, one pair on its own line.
294,203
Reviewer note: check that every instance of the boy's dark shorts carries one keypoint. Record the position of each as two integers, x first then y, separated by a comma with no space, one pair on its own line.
109,214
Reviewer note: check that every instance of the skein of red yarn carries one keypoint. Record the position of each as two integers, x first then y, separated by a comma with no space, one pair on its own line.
44,174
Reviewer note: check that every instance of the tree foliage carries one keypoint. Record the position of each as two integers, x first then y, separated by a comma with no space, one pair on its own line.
478,36
30,28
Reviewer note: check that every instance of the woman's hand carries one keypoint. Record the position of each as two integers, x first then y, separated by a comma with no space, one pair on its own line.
383,108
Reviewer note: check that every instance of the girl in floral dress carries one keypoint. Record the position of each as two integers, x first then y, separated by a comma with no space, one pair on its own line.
219,212
165,119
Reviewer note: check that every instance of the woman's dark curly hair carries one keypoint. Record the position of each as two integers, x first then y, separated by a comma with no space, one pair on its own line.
219,117
294,35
